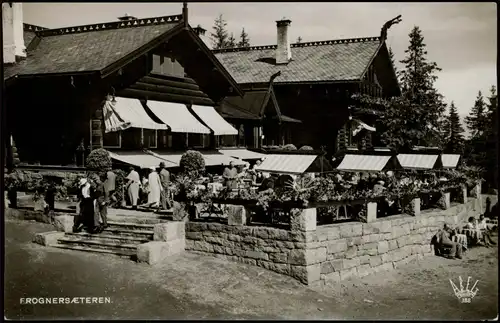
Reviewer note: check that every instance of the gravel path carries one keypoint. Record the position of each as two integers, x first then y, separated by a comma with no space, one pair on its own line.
192,286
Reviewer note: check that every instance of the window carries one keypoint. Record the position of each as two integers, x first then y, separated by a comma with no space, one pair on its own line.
150,140
195,140
131,138
167,66
112,139
165,139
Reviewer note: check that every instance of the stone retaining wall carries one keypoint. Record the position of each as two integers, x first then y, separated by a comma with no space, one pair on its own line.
330,253
278,250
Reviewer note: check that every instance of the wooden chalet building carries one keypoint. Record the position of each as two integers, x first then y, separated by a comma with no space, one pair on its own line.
313,84
145,89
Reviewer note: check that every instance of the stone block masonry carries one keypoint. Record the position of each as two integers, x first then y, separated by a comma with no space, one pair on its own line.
330,253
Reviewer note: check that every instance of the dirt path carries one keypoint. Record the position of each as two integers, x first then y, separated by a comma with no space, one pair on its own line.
203,287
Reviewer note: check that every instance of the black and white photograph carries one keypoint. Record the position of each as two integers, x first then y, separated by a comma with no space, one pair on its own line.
250,161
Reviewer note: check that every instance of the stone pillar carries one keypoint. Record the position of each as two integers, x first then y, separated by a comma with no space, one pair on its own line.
414,208
169,239
371,212
464,195
303,220
479,198
444,201
236,215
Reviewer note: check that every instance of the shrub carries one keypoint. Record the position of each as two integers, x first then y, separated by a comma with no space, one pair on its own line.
289,147
192,162
98,160
306,148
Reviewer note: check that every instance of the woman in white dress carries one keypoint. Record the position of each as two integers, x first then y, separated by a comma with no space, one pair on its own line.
155,188
134,183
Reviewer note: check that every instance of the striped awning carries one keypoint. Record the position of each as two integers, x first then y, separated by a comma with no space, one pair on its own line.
177,117
215,159
112,121
132,111
416,161
450,160
211,159
363,163
139,158
286,164
242,153
214,120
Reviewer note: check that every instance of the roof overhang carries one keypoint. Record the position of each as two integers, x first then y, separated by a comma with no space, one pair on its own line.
232,82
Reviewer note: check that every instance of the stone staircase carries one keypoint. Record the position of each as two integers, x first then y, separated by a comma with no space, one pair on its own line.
124,234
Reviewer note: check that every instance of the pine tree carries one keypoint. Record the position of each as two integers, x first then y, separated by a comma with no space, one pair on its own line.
231,42
244,39
476,120
454,131
219,37
416,117
299,40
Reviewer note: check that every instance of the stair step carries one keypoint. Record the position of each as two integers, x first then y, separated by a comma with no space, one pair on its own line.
109,238
147,234
97,244
141,220
130,226
120,253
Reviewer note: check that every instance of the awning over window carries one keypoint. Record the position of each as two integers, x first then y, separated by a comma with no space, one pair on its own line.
416,161
450,160
242,153
358,163
132,111
215,159
177,117
139,158
112,121
211,159
214,120
287,164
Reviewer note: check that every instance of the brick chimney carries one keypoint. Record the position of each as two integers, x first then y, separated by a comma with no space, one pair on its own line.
283,52
13,32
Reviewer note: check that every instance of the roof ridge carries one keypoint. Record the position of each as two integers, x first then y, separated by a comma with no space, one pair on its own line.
304,44
33,28
110,25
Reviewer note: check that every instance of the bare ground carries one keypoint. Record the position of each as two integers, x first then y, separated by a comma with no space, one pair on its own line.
192,286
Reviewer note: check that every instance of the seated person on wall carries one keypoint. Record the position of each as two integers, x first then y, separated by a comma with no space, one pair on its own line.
485,230
473,233
444,246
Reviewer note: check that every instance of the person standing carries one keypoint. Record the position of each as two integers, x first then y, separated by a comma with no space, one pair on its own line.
86,216
101,200
110,185
165,182
134,182
155,188
229,175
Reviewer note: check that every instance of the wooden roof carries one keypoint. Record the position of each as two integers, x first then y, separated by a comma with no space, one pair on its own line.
320,61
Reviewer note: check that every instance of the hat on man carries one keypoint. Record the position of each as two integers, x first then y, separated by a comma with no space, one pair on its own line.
162,164
82,182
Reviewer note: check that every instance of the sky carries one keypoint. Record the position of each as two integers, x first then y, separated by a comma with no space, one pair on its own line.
460,37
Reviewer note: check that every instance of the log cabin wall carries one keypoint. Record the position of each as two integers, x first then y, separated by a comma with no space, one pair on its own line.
50,118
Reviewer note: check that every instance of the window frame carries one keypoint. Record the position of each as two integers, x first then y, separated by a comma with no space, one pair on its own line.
119,140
